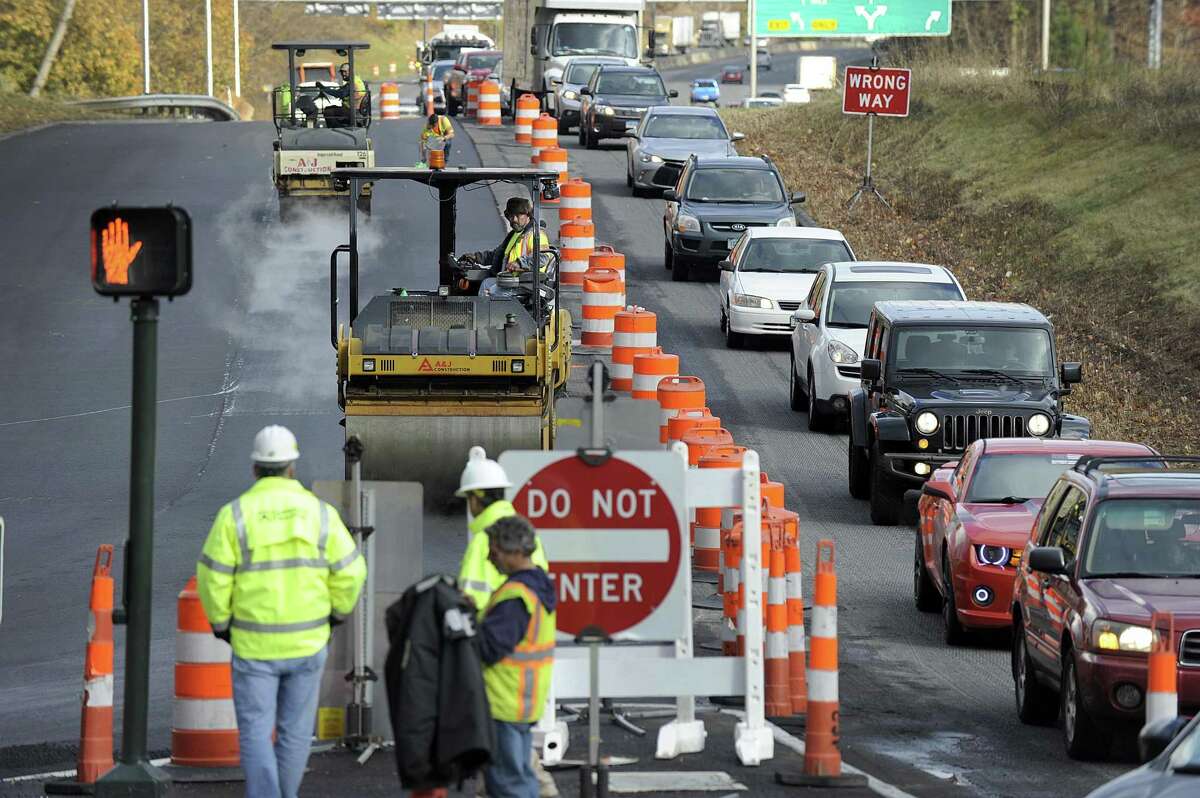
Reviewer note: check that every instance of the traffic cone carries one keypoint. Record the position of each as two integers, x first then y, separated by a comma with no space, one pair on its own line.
1162,692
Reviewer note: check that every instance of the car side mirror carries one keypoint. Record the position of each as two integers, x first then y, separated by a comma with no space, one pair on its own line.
870,370
585,92
672,93
1072,373
670,196
631,134
797,196
939,489
725,265
804,316
737,137
556,83
1048,560
1154,737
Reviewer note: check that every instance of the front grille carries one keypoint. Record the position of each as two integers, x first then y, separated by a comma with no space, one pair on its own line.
785,305
628,111
960,430
1189,648
851,372
727,227
387,364
499,365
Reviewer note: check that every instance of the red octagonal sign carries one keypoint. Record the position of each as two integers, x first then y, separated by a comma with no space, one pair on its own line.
612,537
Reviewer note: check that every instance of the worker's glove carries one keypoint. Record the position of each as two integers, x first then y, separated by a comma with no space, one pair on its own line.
335,621
224,634
320,85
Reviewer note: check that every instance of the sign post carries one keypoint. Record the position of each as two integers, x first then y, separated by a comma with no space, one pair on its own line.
874,91
143,253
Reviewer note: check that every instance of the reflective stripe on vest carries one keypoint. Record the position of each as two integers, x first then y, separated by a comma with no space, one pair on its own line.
517,685
271,565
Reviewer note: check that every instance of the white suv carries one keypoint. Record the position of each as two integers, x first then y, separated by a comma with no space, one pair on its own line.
767,275
829,330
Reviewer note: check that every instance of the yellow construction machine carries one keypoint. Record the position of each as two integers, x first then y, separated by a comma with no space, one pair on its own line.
423,375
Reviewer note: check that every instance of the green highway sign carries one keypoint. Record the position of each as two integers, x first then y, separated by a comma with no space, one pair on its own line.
814,18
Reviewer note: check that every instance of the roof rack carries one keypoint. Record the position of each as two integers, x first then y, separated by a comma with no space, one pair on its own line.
1085,465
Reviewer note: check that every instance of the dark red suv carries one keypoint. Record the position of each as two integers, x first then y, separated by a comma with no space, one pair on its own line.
1117,540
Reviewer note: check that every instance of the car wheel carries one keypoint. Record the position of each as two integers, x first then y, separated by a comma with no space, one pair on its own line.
680,271
563,128
629,180
818,419
591,140
1084,739
954,633
583,124
1036,704
885,497
668,255
796,396
733,340
925,594
859,472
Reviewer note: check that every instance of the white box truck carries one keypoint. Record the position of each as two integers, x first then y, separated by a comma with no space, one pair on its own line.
683,32
731,26
541,35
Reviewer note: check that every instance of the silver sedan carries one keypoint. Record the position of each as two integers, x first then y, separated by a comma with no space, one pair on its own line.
665,138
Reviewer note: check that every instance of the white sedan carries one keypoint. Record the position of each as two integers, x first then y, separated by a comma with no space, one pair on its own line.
768,275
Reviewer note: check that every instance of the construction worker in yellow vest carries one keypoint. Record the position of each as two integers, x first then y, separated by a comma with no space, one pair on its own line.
436,127
519,213
277,568
516,644
482,485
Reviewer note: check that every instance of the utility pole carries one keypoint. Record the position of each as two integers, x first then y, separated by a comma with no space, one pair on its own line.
237,53
1045,35
208,42
751,11
39,82
1154,48
145,46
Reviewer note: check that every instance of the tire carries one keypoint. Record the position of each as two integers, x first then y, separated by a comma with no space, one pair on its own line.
563,128
796,396
733,340
859,472
818,419
1083,738
582,132
591,140
668,256
1036,704
885,498
953,631
925,594
629,181
679,269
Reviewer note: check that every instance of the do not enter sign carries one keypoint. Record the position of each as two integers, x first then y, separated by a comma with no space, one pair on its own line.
613,534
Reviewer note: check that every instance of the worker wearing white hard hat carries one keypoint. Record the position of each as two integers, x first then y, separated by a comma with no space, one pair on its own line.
278,567
482,485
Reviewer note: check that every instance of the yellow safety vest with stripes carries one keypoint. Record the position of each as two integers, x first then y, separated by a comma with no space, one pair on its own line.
277,564
522,245
477,577
517,685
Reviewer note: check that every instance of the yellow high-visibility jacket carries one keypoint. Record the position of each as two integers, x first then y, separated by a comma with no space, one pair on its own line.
517,685
277,564
522,245
477,577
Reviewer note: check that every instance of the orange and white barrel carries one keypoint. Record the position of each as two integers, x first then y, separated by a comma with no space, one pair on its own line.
603,298
709,530
675,394
204,729
576,240
429,94
389,101
797,664
605,257
553,159
683,421
821,754
733,592
576,200
527,111
1162,690
472,108
635,332
651,368
545,134
489,103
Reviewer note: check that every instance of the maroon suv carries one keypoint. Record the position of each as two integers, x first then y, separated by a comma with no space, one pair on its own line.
1117,539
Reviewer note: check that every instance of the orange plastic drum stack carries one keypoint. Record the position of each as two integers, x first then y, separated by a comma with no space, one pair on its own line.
576,240
545,134
605,257
603,298
576,201
527,111
684,421
635,332
649,369
676,394
489,103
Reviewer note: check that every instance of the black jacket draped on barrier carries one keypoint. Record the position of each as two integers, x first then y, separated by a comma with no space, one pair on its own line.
435,689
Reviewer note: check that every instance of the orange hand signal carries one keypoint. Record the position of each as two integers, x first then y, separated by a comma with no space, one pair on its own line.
118,254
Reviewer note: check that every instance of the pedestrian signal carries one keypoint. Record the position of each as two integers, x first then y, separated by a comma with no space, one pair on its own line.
141,251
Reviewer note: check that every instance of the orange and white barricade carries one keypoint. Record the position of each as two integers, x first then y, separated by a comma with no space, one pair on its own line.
489,103
545,134
797,657
553,159
204,729
635,332
603,298
389,101
576,240
678,393
710,528
775,663
526,112
472,89
576,200
649,369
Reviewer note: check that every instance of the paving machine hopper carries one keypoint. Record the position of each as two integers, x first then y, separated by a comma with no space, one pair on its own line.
314,136
423,375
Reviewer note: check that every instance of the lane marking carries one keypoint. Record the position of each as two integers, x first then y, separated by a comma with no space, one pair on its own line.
62,774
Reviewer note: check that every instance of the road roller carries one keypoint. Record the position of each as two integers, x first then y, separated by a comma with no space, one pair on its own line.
424,375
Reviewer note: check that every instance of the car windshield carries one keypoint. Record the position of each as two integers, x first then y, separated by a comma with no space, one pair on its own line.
851,302
1144,537
1016,351
678,126
483,61
791,255
1004,477
580,74
631,83
732,71
596,38
704,84
440,70
734,185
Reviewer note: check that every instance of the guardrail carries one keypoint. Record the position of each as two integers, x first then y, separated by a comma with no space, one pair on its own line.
175,106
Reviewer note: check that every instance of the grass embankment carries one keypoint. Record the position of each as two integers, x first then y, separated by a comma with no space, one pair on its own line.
1079,195
24,112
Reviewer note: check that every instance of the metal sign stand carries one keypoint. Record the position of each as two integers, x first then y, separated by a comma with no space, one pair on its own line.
868,184
361,676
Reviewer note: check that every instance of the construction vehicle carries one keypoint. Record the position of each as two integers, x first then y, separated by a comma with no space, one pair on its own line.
448,43
310,140
424,375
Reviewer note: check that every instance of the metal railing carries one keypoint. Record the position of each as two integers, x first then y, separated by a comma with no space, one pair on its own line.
174,106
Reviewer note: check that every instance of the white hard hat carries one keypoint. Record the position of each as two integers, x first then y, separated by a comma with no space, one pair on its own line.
275,445
481,473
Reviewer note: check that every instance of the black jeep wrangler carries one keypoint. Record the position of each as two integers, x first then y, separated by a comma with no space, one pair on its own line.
937,376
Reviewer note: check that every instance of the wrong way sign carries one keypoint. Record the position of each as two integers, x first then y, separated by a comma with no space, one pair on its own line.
615,537
883,91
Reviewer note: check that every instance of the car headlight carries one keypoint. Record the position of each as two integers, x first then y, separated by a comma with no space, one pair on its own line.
1039,424
651,159
1112,636
787,221
927,423
751,301
992,555
686,223
570,95
607,110
841,354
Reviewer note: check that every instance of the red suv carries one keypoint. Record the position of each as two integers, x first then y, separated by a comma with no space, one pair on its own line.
975,516
1117,539
471,65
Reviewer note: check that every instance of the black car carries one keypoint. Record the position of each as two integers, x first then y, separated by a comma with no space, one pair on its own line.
714,200
937,376
615,99
1171,751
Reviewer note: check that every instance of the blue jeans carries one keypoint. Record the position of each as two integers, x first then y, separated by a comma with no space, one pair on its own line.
511,773
276,695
